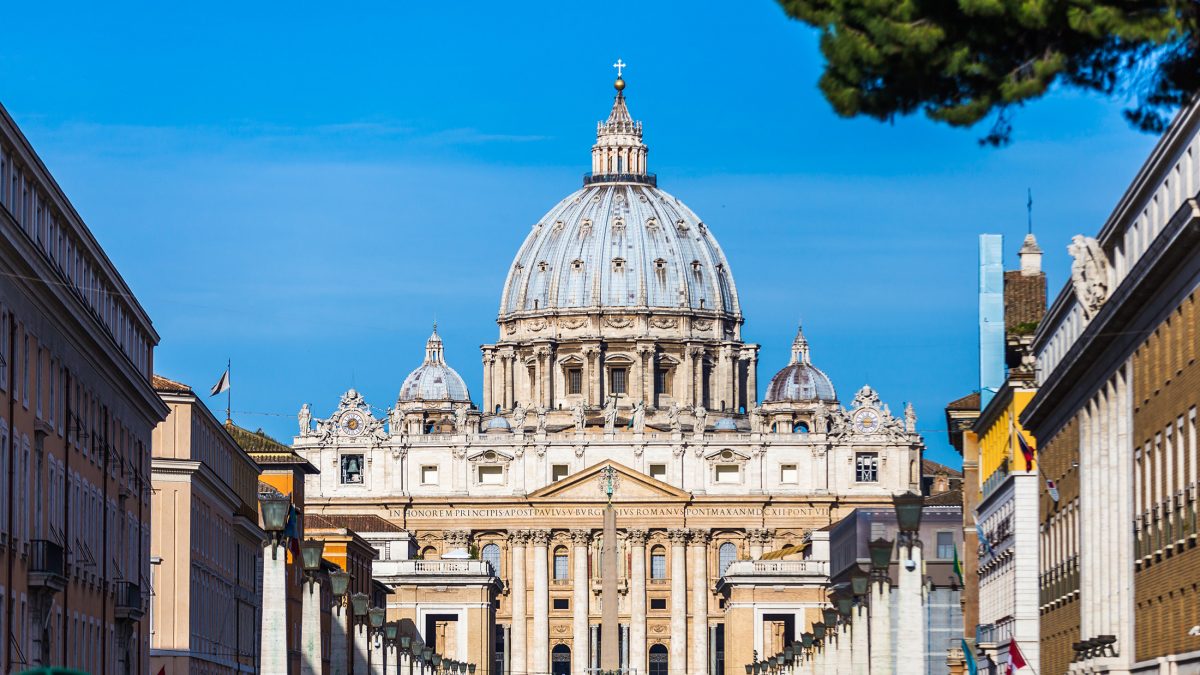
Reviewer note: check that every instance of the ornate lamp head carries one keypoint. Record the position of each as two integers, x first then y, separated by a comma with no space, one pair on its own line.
881,555
806,639
358,602
405,642
860,581
339,581
310,554
391,630
275,508
908,512
376,615
830,615
818,631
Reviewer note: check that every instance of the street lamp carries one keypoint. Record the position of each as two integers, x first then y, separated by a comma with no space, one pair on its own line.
818,631
376,616
339,581
830,615
908,512
311,551
806,639
358,603
275,508
860,582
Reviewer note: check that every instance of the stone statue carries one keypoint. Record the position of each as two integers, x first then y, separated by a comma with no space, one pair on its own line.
305,420
541,419
518,417
910,418
701,418
578,415
460,419
396,420
610,414
838,423
821,420
673,416
1089,273
638,422
758,419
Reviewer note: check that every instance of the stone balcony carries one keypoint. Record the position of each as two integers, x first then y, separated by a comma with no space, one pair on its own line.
775,573
464,572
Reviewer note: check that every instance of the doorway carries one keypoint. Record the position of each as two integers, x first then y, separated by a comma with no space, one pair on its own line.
560,660
658,660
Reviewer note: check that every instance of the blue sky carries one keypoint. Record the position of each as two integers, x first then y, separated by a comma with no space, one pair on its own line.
304,191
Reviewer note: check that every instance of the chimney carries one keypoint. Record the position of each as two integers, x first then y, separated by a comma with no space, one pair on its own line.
1031,257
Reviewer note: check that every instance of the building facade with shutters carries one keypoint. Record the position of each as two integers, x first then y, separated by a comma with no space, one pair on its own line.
620,367
76,414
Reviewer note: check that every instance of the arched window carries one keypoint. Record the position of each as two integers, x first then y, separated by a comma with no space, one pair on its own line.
560,660
800,428
658,563
429,553
491,554
727,554
658,660
562,569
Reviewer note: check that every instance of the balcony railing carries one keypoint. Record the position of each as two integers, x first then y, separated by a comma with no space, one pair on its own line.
128,604
776,568
444,567
643,178
47,566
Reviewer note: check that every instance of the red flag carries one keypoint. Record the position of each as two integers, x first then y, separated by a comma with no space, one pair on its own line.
1016,660
162,671
1026,450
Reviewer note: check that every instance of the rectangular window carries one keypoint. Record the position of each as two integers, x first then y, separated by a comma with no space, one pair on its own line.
429,475
558,472
562,565
662,383
491,475
562,603
788,473
866,467
658,566
945,545
728,473
574,380
658,603
658,471
616,381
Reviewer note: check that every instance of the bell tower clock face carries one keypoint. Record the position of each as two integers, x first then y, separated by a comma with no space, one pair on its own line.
352,423
866,421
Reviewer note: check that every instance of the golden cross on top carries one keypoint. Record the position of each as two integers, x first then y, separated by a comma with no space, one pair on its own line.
620,65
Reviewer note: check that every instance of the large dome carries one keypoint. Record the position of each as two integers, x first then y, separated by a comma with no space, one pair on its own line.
619,242
800,380
434,380
625,245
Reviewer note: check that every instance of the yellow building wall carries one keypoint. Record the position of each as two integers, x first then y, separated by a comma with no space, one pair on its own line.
999,444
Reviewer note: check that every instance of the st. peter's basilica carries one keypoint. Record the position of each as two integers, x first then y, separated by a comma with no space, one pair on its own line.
620,367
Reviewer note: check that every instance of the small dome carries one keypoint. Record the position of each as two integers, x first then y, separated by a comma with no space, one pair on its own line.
725,424
434,380
800,380
498,423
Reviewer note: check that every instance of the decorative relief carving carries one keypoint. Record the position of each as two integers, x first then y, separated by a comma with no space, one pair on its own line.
457,538
702,324
519,537
699,537
572,322
539,537
536,325
636,537
678,536
581,537
618,321
665,322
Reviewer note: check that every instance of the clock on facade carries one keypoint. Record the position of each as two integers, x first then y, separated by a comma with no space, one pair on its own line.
352,423
866,421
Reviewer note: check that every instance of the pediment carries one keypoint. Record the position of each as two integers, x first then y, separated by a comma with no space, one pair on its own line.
632,485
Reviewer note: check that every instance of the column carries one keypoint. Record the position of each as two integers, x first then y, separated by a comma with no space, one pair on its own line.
910,625
273,650
579,602
678,654
520,643
690,371
310,628
489,396
860,646
376,642
362,646
507,360
539,661
625,648
589,372
752,381
881,627
845,656
594,651
637,601
339,639
756,539
507,651
699,555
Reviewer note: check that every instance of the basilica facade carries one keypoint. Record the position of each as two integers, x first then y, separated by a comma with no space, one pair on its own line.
620,377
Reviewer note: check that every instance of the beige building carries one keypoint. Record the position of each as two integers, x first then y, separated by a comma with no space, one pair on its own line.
206,544
620,359
76,414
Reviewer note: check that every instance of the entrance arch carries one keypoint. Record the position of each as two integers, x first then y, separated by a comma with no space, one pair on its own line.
560,660
658,660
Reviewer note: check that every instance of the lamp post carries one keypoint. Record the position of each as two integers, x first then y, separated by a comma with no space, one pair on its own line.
275,508
910,601
339,638
310,616
375,617
819,645
362,635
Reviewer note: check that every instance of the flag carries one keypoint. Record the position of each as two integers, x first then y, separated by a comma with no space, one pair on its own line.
291,530
1026,450
1016,660
969,655
222,384
958,566
987,545
1052,489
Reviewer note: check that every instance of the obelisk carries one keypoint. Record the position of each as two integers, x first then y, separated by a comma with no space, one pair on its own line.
610,655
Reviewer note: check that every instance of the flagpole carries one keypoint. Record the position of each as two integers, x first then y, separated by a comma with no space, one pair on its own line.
229,391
